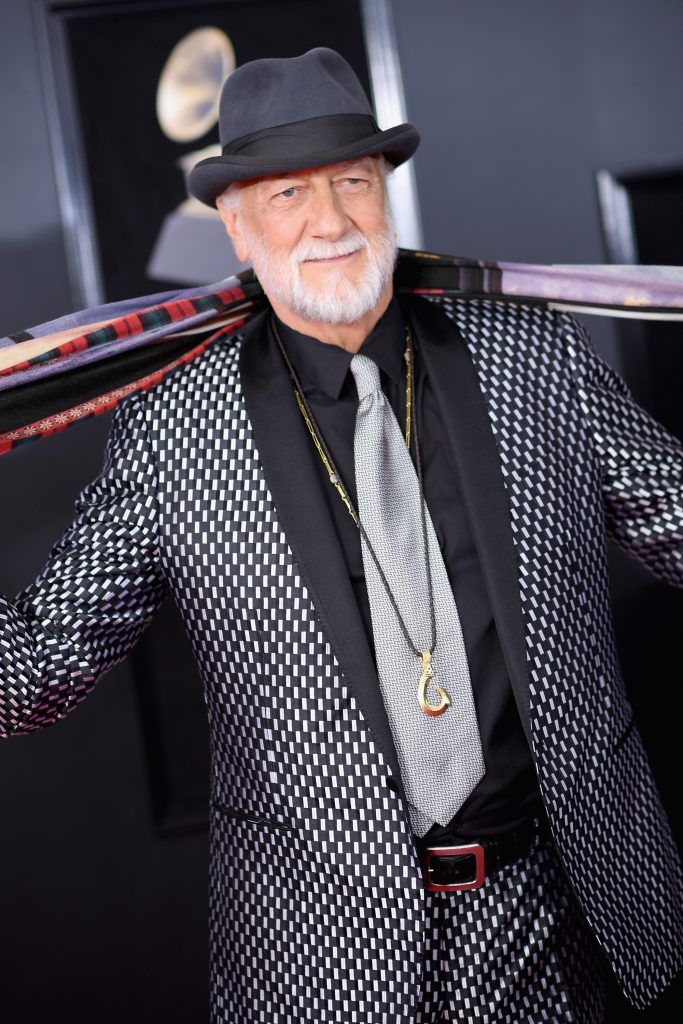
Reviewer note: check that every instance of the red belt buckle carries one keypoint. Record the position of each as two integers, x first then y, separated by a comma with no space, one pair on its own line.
471,849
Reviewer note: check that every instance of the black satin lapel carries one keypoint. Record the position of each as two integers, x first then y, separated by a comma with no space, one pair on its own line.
286,453
469,431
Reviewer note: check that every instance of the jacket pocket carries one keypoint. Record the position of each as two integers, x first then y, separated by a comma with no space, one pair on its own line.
625,734
255,819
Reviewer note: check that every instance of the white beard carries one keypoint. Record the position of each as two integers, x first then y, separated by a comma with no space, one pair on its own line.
340,300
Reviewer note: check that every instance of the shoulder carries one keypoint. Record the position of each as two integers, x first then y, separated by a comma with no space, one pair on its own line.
200,376
503,330
488,316
505,335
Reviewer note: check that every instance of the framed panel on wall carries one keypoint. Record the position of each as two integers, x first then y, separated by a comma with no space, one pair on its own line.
132,92
642,221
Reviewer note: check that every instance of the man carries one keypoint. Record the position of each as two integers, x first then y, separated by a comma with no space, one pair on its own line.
383,519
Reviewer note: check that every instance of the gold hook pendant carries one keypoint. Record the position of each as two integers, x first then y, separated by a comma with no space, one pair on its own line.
427,673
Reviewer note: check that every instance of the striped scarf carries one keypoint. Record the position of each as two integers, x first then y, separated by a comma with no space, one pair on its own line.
65,370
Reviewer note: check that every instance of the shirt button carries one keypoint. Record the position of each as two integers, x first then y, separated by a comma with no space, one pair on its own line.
392,783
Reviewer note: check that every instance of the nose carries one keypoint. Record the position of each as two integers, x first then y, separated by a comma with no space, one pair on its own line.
327,217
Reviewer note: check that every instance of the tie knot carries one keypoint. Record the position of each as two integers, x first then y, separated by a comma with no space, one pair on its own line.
366,373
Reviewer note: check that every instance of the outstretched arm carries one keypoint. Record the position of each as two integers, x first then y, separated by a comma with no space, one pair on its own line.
642,462
98,591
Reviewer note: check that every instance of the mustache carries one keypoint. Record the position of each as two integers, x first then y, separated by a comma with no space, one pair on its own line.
327,250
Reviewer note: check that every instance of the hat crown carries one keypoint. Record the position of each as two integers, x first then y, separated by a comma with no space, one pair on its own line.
280,114
275,91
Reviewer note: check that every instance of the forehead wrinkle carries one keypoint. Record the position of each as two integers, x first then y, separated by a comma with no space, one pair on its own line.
359,161
342,165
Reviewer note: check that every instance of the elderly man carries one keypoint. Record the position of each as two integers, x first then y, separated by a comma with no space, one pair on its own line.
383,519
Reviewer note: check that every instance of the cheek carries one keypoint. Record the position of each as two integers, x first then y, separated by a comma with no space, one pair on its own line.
282,229
372,219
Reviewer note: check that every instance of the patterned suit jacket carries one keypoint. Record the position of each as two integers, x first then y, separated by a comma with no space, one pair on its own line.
208,494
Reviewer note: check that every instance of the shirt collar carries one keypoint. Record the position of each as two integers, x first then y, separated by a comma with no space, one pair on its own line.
326,366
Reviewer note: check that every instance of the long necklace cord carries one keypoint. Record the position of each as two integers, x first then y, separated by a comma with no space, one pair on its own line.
336,479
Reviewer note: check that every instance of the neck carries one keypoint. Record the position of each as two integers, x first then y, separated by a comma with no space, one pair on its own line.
348,336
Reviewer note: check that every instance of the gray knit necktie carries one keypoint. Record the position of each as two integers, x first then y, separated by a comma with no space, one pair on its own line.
440,756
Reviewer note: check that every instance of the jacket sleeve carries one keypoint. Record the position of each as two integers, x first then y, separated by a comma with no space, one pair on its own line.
99,589
642,463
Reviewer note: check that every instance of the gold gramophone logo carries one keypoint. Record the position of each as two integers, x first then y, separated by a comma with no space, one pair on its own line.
190,84
192,246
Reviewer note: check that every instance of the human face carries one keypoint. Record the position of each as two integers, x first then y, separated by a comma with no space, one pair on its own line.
321,241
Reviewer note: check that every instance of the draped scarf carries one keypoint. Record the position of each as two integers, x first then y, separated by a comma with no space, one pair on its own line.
80,365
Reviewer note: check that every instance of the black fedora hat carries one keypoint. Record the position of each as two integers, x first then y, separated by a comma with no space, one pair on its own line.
286,113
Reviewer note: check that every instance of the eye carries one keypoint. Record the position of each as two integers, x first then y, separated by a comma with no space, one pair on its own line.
288,192
354,184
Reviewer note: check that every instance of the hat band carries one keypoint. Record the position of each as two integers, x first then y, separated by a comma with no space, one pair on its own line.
308,136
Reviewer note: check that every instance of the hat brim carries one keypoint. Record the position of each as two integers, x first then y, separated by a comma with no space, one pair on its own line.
208,178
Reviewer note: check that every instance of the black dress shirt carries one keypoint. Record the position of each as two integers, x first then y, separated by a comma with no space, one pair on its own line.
508,792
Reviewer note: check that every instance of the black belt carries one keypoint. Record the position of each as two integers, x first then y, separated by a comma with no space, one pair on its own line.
451,867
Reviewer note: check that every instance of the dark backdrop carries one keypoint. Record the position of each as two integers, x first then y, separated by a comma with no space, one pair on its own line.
104,915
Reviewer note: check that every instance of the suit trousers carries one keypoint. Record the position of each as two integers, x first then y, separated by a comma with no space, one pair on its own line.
516,950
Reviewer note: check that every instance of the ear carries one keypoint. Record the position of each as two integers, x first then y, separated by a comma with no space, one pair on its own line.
231,220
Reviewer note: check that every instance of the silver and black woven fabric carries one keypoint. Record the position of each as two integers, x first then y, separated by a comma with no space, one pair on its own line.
317,907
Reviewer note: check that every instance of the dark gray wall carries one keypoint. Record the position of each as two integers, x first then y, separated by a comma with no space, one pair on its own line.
518,105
